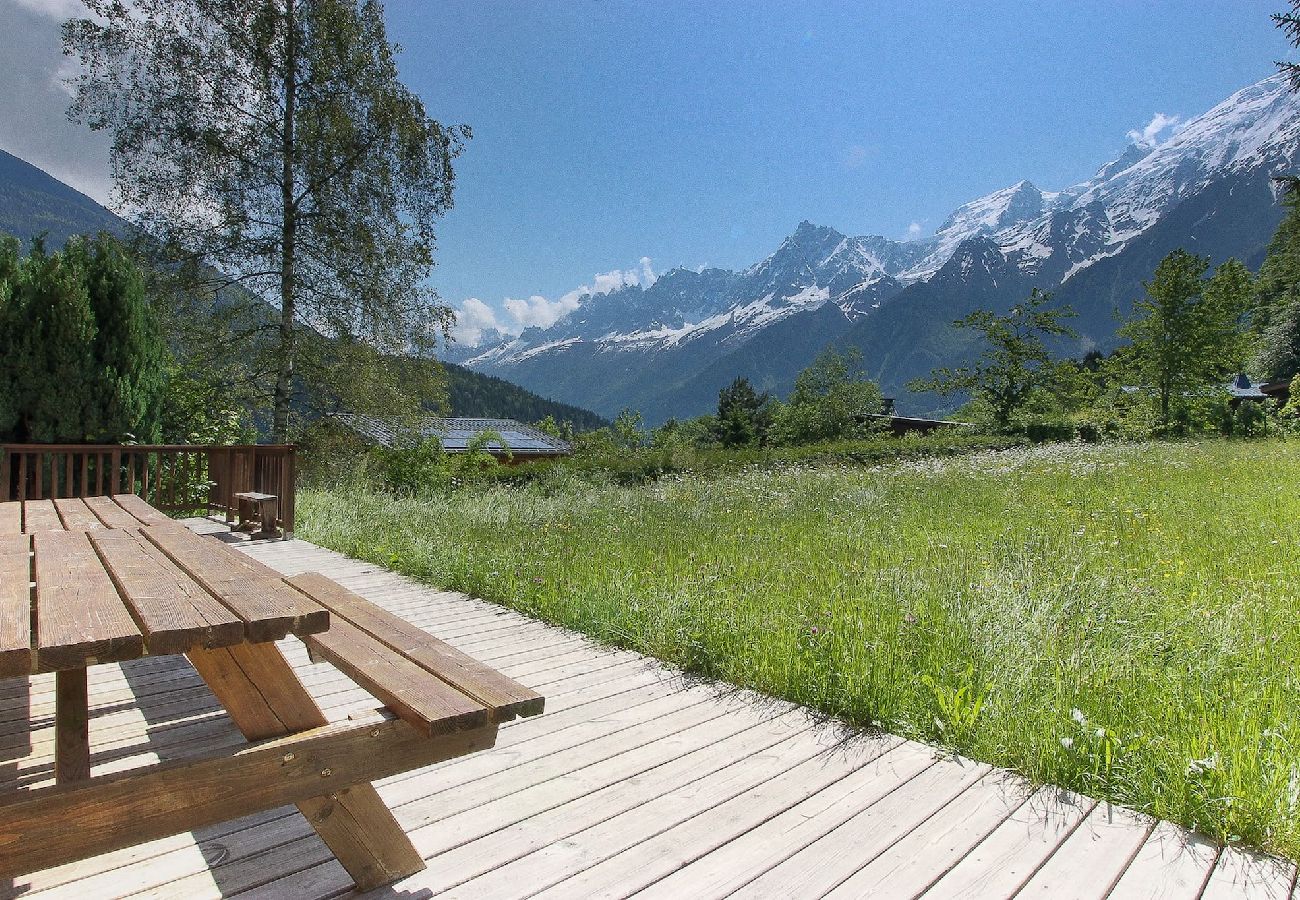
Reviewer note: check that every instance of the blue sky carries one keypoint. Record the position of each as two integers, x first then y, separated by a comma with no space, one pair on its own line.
616,139
606,132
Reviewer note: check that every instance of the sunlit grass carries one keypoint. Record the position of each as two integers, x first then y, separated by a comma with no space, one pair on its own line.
1119,620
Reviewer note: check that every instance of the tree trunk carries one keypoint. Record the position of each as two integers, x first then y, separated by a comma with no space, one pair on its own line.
288,227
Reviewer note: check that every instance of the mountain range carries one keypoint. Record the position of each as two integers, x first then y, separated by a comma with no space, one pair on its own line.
668,348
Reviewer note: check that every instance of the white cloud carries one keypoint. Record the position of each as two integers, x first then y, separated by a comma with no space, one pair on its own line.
475,317
913,231
55,9
472,319
538,311
1149,134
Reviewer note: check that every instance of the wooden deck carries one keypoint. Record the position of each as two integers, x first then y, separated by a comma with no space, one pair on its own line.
632,781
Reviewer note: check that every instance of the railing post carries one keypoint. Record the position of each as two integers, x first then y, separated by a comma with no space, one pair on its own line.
115,479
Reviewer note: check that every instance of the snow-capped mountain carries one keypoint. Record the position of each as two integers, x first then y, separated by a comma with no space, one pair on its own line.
667,348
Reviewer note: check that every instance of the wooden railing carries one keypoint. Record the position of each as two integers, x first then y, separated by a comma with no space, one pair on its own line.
179,479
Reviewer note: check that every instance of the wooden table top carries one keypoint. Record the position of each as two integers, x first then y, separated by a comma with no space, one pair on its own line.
73,598
77,514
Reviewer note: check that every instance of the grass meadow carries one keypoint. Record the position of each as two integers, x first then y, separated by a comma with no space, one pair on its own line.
1120,620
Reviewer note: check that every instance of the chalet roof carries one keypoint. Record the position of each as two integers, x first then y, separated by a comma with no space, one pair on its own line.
455,434
1241,388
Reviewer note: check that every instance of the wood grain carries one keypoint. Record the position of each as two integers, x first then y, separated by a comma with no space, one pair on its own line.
417,695
15,605
76,515
40,516
110,513
80,619
505,696
172,611
137,507
264,697
71,726
269,608
11,517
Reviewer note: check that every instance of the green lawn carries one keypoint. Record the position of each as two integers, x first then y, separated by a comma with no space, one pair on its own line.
1119,620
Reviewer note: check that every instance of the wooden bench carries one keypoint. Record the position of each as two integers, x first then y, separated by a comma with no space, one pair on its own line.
265,508
424,681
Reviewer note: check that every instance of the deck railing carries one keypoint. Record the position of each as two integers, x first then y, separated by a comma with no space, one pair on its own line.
176,478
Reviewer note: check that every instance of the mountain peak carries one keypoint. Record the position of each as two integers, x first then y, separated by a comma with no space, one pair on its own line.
1132,155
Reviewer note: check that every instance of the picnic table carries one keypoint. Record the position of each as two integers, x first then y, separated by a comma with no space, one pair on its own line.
109,579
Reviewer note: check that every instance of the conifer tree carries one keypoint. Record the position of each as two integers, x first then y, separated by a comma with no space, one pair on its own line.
83,360
743,414
54,333
129,356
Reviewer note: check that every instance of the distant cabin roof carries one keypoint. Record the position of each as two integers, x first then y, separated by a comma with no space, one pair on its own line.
1241,388
455,434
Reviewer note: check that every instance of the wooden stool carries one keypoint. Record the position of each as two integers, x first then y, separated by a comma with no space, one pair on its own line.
262,507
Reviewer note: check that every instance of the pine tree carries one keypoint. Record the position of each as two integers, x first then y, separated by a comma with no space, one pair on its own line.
743,414
83,360
54,333
129,357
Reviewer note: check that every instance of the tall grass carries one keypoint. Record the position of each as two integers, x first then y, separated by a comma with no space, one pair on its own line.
1119,620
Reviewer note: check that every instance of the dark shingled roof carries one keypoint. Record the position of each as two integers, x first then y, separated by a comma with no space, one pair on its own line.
456,434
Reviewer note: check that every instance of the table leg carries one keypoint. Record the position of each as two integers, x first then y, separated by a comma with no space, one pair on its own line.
265,699
71,726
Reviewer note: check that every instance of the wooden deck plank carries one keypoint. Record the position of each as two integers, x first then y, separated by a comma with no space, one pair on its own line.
1242,874
269,608
505,797
542,858
80,619
110,513
646,862
174,613
76,515
11,517
487,854
1173,864
1011,854
831,859
524,743
40,516
15,605
1093,858
729,868
914,861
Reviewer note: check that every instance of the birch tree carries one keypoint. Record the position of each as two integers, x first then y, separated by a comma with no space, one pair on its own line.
269,145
